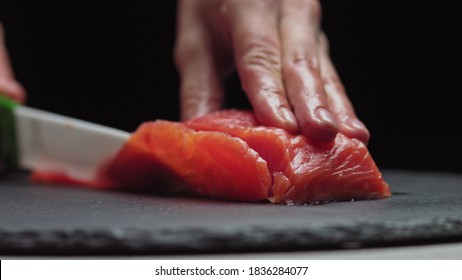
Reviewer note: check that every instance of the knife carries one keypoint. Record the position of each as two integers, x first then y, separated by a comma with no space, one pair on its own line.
33,139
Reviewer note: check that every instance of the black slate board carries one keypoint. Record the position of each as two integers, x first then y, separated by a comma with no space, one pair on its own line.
47,219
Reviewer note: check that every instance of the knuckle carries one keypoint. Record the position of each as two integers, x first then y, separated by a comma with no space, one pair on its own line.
333,81
323,41
251,3
186,47
234,7
265,3
261,53
270,91
312,7
193,95
302,59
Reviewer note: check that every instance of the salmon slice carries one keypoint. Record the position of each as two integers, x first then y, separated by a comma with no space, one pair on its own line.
303,171
211,164
229,155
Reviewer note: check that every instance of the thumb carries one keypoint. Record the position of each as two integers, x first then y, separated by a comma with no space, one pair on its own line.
8,86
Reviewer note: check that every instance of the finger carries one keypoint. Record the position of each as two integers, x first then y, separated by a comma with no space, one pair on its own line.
201,91
8,86
12,89
299,27
253,29
5,67
349,124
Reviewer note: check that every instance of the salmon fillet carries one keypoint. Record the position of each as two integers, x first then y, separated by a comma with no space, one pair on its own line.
229,155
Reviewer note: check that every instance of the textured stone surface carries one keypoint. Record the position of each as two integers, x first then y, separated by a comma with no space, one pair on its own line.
46,219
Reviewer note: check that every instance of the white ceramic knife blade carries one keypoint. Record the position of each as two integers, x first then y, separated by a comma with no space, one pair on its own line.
51,142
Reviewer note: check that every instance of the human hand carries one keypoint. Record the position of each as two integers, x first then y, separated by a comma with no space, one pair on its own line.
281,56
8,85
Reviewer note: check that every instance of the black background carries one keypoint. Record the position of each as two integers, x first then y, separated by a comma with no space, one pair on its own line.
112,64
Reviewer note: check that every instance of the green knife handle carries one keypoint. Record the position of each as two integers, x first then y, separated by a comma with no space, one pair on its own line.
8,148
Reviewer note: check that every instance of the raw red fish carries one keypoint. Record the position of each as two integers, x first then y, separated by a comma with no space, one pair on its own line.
207,163
229,155
303,171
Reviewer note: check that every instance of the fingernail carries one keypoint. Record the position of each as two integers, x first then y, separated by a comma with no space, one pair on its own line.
325,116
355,123
357,129
290,119
287,114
